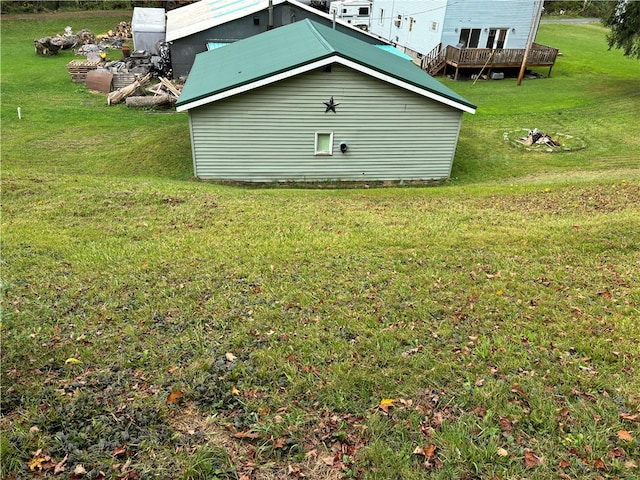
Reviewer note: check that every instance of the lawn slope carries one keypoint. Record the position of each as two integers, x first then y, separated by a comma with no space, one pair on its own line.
154,326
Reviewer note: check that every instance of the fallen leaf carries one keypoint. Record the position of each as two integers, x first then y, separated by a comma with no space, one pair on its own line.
278,443
479,382
328,461
615,453
132,475
430,450
121,450
247,434
480,411
630,464
235,391
418,451
126,465
412,351
230,356
624,435
505,424
599,464
632,417
72,361
385,403
36,462
564,464
174,396
531,460
79,470
502,452
515,388
59,468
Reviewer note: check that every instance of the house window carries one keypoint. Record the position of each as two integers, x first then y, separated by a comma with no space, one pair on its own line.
381,18
497,37
398,21
323,144
363,11
469,37
434,26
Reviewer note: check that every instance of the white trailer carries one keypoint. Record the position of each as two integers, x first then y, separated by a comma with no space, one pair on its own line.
355,12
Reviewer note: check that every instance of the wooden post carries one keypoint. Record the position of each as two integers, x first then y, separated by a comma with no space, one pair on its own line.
532,34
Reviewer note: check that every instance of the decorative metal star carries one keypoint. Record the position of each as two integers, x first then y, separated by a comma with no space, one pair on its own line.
331,106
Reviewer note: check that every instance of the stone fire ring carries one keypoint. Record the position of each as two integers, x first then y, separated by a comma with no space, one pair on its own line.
568,143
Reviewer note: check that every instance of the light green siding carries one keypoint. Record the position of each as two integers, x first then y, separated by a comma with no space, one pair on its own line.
268,134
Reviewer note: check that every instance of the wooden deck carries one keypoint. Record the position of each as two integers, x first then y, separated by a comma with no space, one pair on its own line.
486,58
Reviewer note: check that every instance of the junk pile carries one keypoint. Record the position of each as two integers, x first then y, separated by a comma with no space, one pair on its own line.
536,137
52,45
142,62
164,93
122,79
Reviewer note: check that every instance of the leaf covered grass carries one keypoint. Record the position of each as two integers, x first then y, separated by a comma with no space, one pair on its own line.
159,327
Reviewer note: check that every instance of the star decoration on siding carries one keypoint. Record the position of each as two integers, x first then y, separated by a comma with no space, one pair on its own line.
331,106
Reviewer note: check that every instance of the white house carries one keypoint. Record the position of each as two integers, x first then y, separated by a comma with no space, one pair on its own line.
425,29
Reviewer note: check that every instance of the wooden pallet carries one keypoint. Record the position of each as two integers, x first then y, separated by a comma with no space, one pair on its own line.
78,69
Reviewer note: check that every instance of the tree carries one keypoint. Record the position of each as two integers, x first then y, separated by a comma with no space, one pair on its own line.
624,20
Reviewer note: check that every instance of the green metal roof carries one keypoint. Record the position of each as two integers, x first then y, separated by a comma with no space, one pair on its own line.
256,60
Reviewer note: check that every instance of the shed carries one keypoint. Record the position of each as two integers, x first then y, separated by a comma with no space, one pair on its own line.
149,28
190,29
305,102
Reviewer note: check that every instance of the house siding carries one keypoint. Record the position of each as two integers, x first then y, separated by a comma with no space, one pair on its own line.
268,134
436,22
413,38
515,15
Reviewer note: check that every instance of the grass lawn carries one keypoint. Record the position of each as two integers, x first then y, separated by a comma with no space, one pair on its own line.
155,326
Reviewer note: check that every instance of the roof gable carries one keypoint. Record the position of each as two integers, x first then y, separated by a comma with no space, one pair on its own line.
206,14
296,48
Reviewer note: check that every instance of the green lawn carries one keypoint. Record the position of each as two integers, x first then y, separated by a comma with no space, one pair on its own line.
155,326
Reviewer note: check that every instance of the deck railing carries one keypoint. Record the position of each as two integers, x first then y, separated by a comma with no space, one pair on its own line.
539,55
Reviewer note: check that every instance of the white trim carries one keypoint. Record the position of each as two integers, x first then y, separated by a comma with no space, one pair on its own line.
321,63
407,86
257,84
315,144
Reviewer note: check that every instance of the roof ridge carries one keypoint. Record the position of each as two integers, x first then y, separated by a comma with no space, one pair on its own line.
321,38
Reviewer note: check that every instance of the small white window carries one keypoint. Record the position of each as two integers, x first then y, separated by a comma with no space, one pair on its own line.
323,144
434,26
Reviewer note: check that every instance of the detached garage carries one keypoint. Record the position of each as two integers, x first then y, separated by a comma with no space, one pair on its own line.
304,102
